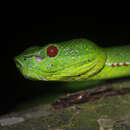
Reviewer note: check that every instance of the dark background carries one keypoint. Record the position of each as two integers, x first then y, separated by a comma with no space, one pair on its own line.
18,35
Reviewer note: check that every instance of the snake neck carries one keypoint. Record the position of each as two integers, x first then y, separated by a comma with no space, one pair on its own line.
117,63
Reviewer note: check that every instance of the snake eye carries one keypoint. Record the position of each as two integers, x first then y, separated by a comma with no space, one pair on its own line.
52,51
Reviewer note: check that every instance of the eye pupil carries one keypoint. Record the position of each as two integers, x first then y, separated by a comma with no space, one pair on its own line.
52,51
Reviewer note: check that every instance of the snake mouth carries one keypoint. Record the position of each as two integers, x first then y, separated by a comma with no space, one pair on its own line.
72,74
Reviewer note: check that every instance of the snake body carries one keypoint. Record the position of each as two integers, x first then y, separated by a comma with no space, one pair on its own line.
74,60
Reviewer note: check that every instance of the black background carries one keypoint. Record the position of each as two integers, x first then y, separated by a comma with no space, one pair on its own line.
17,36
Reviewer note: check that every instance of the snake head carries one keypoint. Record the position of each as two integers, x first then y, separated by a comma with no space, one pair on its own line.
73,60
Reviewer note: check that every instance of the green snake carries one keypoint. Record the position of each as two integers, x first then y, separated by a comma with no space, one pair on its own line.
74,60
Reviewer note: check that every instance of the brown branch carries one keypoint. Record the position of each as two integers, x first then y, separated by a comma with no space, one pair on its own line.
88,95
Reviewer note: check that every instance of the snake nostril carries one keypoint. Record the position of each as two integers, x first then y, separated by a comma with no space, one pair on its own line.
18,64
24,59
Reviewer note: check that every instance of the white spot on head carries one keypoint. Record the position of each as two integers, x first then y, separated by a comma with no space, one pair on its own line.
39,59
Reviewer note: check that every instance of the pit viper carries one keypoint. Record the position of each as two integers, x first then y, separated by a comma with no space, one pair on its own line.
74,60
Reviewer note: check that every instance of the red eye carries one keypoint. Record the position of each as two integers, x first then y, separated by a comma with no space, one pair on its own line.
52,51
